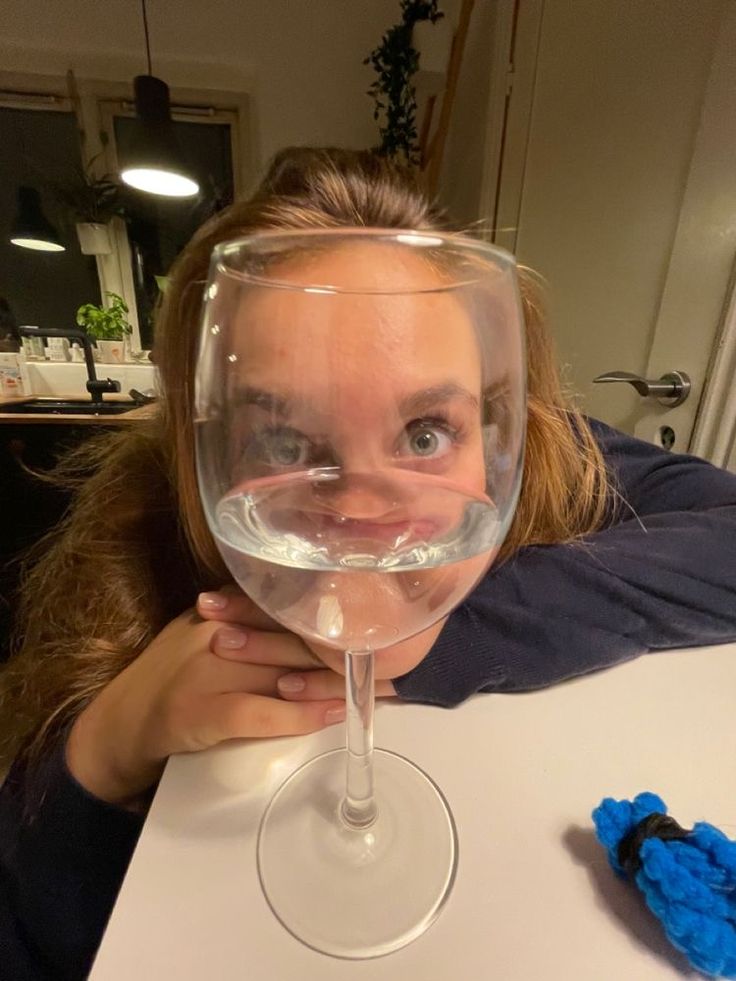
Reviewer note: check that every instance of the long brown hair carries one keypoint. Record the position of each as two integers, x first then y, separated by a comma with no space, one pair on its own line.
134,549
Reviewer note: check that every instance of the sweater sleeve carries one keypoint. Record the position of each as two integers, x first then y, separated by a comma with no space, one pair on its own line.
63,855
663,576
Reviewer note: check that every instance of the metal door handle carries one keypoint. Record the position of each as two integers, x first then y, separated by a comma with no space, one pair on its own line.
671,389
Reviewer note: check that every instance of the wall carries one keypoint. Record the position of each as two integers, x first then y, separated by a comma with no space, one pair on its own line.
301,60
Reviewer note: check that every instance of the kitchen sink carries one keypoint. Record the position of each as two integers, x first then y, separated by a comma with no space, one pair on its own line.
68,407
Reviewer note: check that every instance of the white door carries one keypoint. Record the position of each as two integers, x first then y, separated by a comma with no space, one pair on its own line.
617,182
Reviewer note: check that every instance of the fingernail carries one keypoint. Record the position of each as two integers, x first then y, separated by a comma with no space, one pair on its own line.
231,639
212,601
335,715
291,683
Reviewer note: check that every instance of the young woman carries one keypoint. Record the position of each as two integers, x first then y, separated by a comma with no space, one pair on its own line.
132,651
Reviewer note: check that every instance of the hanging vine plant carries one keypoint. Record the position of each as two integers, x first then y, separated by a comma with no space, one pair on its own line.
395,62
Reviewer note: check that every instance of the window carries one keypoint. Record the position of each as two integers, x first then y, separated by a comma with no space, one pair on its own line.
40,150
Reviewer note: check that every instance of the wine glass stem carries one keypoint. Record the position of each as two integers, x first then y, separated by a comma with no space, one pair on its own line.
359,807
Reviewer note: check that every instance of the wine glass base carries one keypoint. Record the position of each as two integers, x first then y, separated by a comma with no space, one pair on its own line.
357,894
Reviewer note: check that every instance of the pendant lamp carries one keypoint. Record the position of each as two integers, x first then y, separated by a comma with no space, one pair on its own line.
154,160
31,228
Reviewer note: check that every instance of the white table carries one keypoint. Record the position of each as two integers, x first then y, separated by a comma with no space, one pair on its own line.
534,897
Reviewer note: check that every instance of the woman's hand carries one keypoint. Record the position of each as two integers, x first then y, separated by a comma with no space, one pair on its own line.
197,683
312,679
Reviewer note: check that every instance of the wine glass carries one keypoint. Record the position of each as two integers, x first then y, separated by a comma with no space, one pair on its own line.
359,416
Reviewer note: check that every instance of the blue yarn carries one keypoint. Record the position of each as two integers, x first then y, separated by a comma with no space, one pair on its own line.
689,884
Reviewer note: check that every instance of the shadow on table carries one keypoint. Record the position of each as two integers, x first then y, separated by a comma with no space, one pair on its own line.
623,900
222,792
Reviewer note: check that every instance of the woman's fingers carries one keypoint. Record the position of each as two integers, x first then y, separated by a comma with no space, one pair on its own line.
228,676
318,685
234,643
243,715
231,605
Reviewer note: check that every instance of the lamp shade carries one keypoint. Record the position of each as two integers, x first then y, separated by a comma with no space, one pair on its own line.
31,228
153,157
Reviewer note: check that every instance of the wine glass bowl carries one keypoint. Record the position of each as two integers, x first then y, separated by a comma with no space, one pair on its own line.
317,574
359,424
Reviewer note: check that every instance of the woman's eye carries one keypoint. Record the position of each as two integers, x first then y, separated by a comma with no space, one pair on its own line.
287,451
428,439
282,448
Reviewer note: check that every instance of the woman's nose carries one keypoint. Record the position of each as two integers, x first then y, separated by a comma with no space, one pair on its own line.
360,496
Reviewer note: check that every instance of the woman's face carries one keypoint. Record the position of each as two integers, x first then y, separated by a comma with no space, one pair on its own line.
384,389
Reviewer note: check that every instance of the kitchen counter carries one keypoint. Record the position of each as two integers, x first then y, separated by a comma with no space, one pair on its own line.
140,414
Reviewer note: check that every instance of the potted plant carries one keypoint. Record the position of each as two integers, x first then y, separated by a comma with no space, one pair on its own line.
396,61
108,326
91,202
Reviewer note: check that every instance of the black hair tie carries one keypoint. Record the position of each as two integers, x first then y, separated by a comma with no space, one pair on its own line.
655,825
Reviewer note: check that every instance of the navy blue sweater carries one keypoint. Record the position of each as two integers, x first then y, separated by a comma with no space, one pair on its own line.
663,576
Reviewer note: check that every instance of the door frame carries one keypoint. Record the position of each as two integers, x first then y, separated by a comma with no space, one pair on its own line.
516,35
715,430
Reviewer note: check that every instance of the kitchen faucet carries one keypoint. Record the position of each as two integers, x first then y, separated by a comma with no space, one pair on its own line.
95,386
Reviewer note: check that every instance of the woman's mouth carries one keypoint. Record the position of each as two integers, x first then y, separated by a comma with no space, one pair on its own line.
329,527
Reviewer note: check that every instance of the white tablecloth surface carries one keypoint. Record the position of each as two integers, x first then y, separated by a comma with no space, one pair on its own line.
534,896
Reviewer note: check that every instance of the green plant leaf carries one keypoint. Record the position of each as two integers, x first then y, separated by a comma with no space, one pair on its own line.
396,61
105,324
